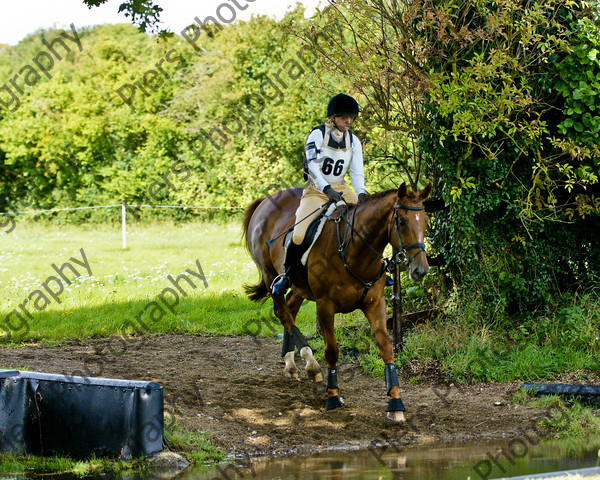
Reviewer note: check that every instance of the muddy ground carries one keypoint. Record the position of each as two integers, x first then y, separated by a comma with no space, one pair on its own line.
234,388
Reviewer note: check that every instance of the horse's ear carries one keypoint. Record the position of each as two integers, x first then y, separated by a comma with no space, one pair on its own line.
402,190
425,192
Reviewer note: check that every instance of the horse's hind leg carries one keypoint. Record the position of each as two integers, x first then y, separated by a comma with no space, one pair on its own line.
282,312
313,369
292,338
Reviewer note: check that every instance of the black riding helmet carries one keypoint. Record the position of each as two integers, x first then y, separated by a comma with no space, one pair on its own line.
342,105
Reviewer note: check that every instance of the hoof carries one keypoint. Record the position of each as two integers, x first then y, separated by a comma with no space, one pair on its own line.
396,417
334,402
395,410
315,375
292,374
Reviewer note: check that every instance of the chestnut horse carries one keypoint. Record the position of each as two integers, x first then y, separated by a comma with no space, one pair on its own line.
345,271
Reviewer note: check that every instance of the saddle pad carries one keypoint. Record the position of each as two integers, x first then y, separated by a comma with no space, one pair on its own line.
315,232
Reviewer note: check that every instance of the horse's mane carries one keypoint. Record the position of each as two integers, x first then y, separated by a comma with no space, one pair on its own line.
379,195
411,196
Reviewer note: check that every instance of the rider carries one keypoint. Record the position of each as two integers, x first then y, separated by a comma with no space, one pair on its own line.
330,150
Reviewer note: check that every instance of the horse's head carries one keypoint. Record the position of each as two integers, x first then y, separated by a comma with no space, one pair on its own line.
407,230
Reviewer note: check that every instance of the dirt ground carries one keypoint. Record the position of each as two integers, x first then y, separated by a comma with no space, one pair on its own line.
234,388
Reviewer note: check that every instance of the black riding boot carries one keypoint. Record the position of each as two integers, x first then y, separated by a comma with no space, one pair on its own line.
282,282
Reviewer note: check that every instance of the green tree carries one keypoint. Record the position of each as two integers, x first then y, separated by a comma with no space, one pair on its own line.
84,145
495,103
144,13
247,105
115,116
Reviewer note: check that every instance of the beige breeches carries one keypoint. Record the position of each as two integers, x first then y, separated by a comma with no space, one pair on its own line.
311,200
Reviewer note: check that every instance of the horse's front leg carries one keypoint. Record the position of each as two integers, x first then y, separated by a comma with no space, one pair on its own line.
326,317
376,314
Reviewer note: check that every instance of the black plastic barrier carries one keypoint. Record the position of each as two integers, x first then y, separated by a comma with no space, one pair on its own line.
47,414
589,394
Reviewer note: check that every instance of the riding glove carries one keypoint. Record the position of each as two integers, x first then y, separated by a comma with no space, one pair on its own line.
332,194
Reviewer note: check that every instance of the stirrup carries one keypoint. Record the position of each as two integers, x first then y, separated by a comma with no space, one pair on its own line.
280,285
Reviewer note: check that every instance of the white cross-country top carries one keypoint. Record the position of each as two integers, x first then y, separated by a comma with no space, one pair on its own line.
330,154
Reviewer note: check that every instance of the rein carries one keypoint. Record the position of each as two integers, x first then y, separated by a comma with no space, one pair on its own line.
344,243
343,249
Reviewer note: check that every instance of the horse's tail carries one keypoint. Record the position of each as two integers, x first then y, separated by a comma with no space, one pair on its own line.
259,291
248,216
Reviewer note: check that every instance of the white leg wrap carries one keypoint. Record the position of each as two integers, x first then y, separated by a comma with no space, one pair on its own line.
307,354
312,366
290,369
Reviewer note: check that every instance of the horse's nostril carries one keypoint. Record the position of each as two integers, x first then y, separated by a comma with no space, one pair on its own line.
418,273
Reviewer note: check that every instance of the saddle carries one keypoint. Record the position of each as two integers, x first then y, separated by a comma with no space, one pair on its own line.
313,232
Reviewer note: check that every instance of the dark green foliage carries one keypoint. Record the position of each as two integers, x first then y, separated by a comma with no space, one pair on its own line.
143,13
495,102
512,158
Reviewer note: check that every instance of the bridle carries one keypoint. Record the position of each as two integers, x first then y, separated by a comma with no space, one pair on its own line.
403,258
345,239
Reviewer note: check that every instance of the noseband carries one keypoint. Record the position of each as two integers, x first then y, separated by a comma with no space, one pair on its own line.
403,259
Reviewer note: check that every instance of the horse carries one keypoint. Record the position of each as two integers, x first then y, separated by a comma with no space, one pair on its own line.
345,271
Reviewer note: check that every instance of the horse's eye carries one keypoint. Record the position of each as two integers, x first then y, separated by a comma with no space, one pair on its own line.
402,222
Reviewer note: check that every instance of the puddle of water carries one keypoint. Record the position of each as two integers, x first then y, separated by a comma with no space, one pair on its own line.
477,461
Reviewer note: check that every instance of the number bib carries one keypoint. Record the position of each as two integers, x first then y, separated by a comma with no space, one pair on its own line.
334,157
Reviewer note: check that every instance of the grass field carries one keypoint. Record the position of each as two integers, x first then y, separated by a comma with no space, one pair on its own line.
126,290
129,290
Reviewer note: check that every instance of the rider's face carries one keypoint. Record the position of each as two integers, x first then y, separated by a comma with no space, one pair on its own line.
343,123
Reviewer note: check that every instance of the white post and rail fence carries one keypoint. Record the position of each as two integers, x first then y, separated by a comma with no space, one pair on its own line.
124,207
